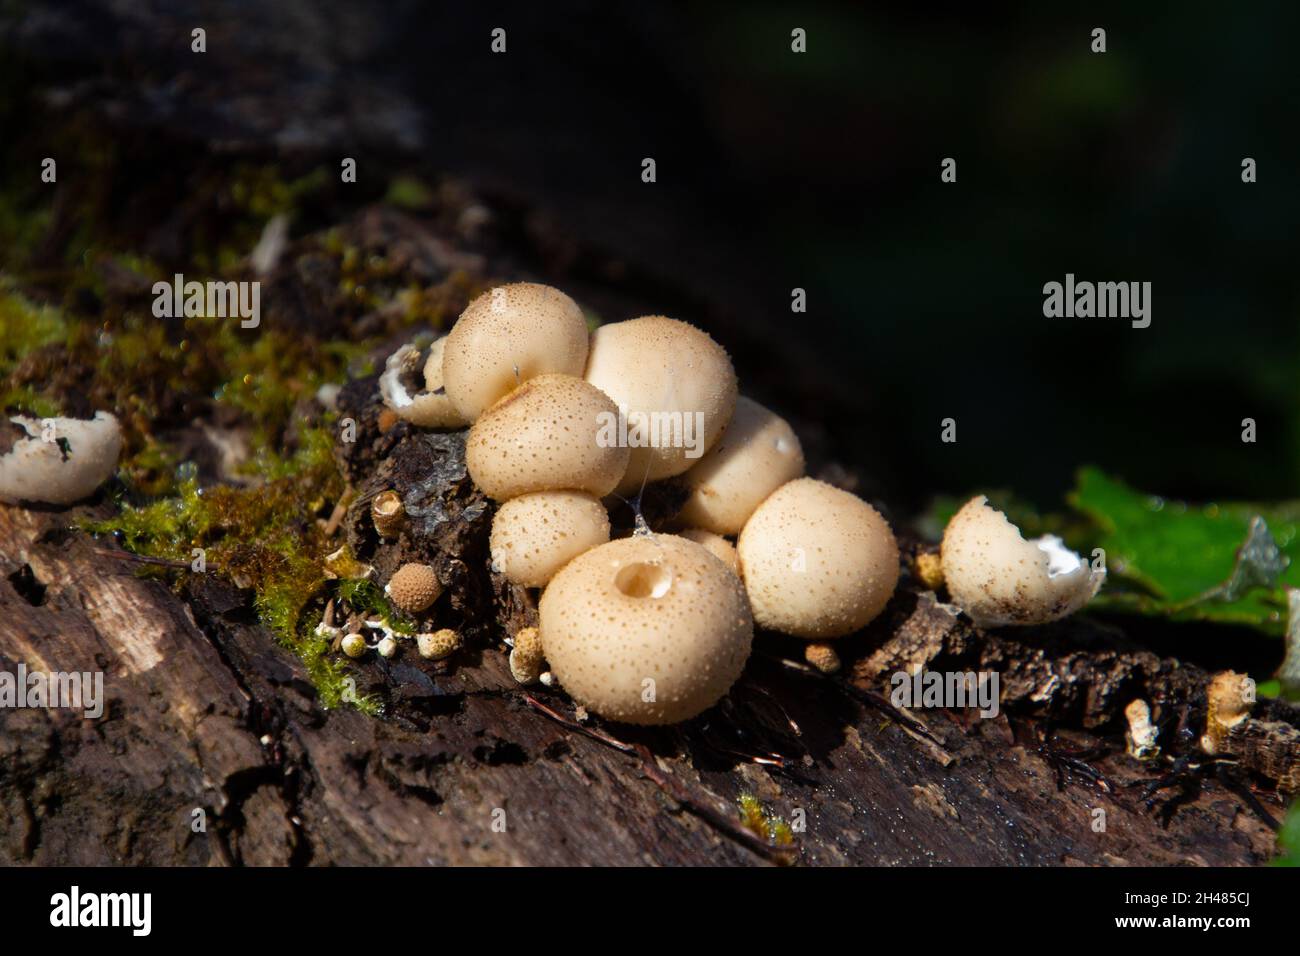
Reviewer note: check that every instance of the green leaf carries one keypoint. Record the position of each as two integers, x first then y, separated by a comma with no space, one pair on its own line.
1226,562
1288,839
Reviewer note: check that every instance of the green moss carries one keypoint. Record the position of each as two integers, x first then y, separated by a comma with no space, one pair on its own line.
762,822
367,598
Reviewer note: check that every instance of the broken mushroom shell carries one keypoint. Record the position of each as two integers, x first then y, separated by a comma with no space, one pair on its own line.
757,454
62,460
818,562
536,534
545,436
414,587
526,657
999,578
507,336
651,629
675,386
428,408
1229,698
388,513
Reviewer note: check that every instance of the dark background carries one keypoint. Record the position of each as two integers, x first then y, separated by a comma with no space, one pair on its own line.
819,170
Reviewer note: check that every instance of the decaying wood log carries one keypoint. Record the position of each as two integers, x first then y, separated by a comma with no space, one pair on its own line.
206,712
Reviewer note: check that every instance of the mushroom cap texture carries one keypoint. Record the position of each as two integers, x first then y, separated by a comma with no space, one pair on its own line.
716,545
535,535
428,408
414,587
507,336
656,364
62,471
757,454
999,578
649,607
544,436
818,562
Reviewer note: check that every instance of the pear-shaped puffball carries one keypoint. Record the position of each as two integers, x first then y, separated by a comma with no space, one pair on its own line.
430,408
756,455
414,587
63,460
535,535
546,435
675,385
507,336
715,544
817,561
651,629
997,577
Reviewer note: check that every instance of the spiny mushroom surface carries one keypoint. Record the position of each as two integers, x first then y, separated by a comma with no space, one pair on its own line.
818,562
661,372
414,587
998,578
535,535
79,456
651,629
429,408
543,437
507,336
757,454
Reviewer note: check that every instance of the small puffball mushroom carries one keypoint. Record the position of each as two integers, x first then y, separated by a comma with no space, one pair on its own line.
388,514
414,587
822,657
818,562
651,629
1140,739
61,461
507,336
535,535
756,455
527,657
429,408
674,384
999,578
387,647
1229,699
354,645
544,436
437,645
715,544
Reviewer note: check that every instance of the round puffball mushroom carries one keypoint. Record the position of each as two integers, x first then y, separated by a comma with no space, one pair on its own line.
651,629
414,587
675,385
430,408
715,544
61,461
999,578
545,436
756,455
535,535
818,562
507,336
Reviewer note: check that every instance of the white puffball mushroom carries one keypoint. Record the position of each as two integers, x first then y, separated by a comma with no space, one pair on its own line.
715,544
535,535
670,378
62,460
354,645
527,657
438,644
429,408
507,336
757,454
999,578
651,629
544,436
387,647
818,562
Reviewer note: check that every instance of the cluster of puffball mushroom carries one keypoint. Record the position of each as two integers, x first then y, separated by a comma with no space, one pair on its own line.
654,628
